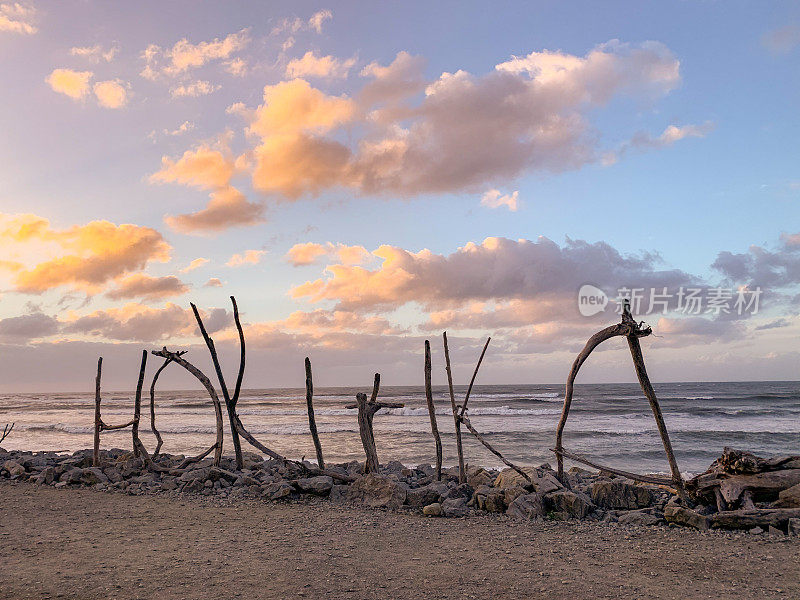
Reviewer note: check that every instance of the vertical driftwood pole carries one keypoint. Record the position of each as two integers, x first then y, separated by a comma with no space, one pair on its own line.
365,414
312,422
137,405
432,411
96,447
647,388
462,474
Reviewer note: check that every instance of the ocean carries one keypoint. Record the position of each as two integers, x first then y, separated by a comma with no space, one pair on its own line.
610,422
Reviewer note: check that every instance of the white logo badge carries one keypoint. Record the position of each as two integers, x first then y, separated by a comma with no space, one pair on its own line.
591,300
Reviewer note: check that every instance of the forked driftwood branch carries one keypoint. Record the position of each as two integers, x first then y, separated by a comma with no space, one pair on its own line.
432,411
99,424
237,428
230,401
459,414
312,422
366,411
6,431
632,331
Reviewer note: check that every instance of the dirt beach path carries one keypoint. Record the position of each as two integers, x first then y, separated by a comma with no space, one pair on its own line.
87,544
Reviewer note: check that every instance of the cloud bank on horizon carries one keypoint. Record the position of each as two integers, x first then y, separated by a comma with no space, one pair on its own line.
287,158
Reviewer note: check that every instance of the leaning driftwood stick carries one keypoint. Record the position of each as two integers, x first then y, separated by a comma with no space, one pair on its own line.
312,422
654,479
6,431
462,474
229,405
493,450
177,358
153,406
137,406
647,388
474,375
432,411
625,327
97,422
366,411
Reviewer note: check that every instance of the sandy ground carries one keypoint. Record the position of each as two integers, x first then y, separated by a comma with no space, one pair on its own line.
75,543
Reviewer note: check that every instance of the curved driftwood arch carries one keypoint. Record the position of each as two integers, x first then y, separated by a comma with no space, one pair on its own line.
632,331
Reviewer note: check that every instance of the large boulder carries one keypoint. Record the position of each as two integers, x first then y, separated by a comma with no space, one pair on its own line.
686,517
320,485
93,475
509,478
13,468
489,499
789,498
427,494
618,494
455,507
72,476
378,491
478,476
563,505
276,491
637,517
528,507
46,476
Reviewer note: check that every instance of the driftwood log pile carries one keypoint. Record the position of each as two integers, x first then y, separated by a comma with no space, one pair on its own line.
738,491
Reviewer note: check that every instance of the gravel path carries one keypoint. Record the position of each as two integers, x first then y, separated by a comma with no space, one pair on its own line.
86,544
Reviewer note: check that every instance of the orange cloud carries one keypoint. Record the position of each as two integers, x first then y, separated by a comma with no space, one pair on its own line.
308,253
87,256
111,94
143,323
74,84
195,264
204,167
185,55
227,208
17,18
310,65
250,257
141,285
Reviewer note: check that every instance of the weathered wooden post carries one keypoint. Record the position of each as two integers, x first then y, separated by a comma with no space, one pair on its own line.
432,411
312,422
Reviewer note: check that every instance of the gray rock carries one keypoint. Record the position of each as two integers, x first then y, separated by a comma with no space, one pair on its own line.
47,476
72,476
509,478
202,473
321,485
276,491
378,491
338,493
113,474
756,531
528,507
789,498
686,517
477,476
455,507
620,495
489,499
427,494
775,531
93,475
432,510
793,527
463,490
565,505
511,494
636,517
14,469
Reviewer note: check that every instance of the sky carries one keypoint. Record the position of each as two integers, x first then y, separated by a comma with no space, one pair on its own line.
363,177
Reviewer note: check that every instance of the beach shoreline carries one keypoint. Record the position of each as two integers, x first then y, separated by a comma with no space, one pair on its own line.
82,543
